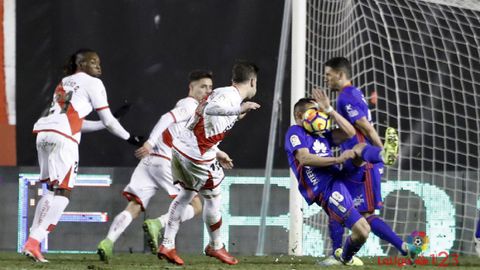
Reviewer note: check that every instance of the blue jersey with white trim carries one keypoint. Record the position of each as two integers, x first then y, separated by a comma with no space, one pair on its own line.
312,181
352,105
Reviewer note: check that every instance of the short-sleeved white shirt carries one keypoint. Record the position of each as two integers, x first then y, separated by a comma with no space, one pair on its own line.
74,98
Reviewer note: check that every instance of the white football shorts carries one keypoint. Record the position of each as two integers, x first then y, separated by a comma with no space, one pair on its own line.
58,159
201,177
152,172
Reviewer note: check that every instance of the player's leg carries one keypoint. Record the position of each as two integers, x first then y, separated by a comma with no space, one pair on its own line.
182,171
371,190
138,192
341,208
161,172
62,167
335,232
213,221
374,154
477,238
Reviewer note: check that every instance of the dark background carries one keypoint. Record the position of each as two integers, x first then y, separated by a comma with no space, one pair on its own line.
148,64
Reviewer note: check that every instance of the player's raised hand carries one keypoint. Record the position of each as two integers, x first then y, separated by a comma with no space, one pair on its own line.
120,112
143,151
322,99
248,106
224,159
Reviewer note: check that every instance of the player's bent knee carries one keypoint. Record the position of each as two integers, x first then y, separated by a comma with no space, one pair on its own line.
361,230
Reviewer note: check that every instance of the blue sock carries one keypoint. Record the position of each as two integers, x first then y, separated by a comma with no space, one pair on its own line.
350,248
372,154
382,230
335,229
477,232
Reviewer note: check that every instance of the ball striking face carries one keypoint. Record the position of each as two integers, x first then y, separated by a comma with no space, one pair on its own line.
315,121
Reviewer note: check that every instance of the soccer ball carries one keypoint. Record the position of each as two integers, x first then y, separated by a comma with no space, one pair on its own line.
315,121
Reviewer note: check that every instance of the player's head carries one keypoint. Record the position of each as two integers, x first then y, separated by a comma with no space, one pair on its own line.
245,73
301,107
200,84
337,72
84,60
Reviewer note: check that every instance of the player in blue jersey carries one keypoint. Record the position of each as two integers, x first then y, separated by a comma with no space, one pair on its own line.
319,177
364,180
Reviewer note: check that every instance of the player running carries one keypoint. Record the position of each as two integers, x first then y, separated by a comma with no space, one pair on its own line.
58,134
154,169
193,160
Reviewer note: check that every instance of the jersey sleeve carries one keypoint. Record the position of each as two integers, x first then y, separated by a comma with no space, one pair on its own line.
98,95
223,105
183,111
295,139
353,108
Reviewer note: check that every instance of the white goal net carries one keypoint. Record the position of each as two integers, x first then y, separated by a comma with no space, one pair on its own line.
418,64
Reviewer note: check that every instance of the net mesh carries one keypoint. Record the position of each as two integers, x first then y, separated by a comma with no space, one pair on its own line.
418,64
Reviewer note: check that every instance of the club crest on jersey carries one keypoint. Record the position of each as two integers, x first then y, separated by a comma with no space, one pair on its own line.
351,112
294,140
319,148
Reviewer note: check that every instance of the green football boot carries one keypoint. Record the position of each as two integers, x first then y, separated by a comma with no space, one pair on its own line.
152,228
390,147
105,250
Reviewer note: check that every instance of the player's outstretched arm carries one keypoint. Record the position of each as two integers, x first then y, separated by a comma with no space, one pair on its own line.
114,127
306,159
91,126
224,159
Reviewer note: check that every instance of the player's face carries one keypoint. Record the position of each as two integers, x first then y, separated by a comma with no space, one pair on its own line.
199,89
91,65
332,78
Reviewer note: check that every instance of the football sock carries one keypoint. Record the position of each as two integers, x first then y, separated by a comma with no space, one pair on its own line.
175,212
42,207
372,154
189,213
382,230
477,232
335,230
350,248
52,216
213,219
119,224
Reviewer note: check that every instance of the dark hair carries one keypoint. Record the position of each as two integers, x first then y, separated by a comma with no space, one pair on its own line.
243,71
199,74
340,64
302,103
71,64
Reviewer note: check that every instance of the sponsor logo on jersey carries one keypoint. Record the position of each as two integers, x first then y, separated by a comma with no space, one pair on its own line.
294,140
351,112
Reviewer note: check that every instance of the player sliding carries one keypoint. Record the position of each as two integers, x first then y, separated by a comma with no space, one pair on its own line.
364,180
154,169
58,135
193,160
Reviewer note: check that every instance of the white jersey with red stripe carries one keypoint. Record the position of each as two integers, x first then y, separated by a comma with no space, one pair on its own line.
74,98
183,110
214,117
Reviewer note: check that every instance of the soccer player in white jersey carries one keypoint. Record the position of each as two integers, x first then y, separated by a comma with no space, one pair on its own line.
58,135
154,169
193,160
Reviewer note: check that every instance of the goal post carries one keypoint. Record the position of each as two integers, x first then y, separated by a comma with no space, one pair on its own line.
418,64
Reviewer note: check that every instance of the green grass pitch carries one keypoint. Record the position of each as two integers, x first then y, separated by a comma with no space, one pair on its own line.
11,260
